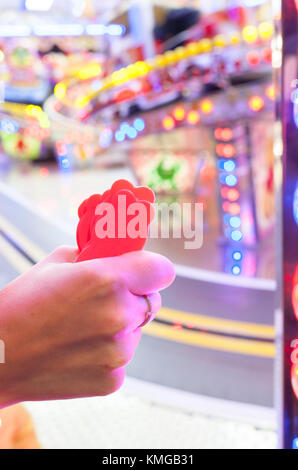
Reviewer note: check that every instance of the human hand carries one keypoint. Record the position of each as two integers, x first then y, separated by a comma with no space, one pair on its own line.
70,328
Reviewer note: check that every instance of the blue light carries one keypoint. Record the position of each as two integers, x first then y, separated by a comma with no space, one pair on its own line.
8,126
229,165
236,270
116,29
124,126
295,205
139,124
236,235
235,222
231,180
237,256
132,133
119,136
295,443
64,163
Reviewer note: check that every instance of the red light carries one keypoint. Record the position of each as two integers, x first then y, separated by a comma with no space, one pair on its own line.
44,171
267,54
230,193
168,123
253,58
179,113
234,209
193,117
256,103
227,134
225,150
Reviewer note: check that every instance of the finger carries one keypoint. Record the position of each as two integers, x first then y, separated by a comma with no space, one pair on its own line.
62,254
143,307
142,272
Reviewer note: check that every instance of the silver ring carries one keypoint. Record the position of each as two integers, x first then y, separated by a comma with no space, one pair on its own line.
149,312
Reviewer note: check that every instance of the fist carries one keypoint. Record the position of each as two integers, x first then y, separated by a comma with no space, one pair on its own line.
70,328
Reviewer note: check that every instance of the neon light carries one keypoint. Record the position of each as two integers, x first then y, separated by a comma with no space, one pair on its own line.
266,30
231,180
206,106
229,165
256,103
168,123
270,92
58,30
14,30
236,270
193,117
132,133
235,222
179,113
250,34
119,136
237,256
253,58
234,209
236,235
295,443
139,124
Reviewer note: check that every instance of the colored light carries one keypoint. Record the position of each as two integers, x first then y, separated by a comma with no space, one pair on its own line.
132,133
256,103
253,58
124,126
236,270
235,222
267,54
270,92
231,180
139,124
233,194
234,209
237,256
193,117
226,134
250,34
8,126
236,235
179,113
119,136
229,165
295,205
60,90
168,123
207,106
225,150
295,443
266,30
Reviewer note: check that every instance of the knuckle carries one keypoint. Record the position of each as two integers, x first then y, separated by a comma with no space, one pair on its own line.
114,379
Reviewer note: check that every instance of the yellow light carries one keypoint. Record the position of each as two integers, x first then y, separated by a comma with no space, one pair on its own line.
219,41
89,71
270,92
180,53
60,90
168,123
256,103
160,60
250,34
179,113
235,39
207,106
81,102
193,48
266,30
169,57
193,117
206,45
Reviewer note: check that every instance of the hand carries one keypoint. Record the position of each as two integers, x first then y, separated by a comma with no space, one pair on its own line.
70,328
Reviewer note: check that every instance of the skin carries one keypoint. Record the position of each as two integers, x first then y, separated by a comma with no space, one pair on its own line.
71,328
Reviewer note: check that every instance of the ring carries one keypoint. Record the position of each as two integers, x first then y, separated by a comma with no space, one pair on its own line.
149,312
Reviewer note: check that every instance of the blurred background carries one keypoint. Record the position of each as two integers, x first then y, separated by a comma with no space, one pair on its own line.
180,96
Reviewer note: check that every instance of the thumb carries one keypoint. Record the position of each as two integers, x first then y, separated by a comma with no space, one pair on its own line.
62,254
